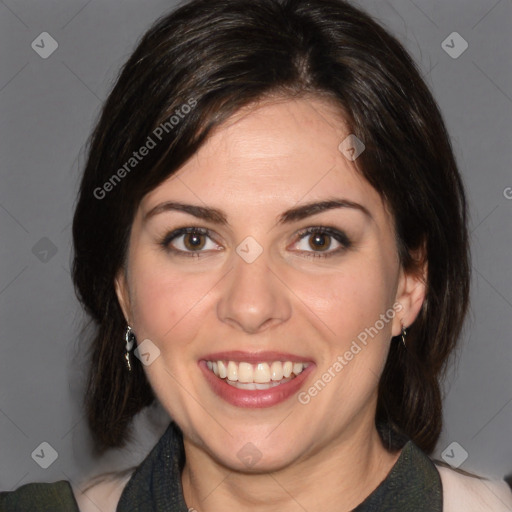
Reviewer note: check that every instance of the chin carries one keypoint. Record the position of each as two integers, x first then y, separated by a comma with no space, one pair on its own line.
250,459
254,451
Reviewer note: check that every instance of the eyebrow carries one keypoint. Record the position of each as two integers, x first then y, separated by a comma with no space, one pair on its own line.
292,215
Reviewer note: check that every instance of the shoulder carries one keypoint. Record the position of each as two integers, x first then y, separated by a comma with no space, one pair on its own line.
101,493
43,497
465,492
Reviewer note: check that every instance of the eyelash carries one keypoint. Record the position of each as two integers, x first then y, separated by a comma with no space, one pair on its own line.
339,236
169,237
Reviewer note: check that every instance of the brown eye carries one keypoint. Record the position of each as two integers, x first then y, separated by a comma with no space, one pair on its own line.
319,241
190,242
322,241
194,241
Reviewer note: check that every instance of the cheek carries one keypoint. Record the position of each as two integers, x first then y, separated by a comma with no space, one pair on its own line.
350,298
353,304
347,307
167,303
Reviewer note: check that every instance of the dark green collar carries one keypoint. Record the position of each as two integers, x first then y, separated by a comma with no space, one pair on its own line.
155,486
40,497
412,484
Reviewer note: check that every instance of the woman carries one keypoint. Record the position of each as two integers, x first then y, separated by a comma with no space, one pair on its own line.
271,236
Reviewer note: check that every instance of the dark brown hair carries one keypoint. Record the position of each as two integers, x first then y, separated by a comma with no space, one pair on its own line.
219,56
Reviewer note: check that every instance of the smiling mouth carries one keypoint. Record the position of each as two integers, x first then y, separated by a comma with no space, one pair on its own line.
257,376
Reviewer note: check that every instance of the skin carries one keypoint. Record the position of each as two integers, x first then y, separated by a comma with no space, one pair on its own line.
276,155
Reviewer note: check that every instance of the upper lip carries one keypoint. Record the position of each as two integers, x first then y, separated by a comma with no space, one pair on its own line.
255,357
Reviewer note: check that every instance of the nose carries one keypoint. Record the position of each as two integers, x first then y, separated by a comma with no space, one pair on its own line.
253,299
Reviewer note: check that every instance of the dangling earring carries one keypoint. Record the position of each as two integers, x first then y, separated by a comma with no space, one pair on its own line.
129,337
403,333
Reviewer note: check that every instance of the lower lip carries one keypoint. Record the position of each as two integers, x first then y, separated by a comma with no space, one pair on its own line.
254,398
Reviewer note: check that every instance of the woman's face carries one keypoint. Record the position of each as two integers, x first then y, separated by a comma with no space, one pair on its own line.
268,281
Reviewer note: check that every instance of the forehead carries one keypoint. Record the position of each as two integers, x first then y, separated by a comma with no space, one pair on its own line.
274,155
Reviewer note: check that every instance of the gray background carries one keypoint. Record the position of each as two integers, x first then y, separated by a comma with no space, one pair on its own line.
47,110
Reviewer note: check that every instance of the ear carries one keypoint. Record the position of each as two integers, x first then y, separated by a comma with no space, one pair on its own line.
123,296
411,292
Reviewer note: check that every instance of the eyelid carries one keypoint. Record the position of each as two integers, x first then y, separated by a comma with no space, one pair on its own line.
338,235
174,234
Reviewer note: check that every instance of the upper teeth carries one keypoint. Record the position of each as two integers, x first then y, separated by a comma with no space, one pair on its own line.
260,372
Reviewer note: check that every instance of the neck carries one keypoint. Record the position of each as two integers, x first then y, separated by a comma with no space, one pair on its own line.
333,478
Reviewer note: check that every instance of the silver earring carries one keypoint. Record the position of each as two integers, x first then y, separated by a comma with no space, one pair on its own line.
403,333
129,337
